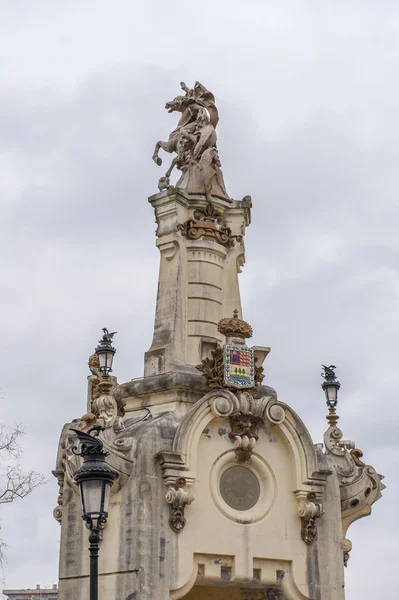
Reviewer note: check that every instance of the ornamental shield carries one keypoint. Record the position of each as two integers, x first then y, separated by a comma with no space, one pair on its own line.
239,366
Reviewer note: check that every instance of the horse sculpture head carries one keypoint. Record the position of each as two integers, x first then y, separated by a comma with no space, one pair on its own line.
179,104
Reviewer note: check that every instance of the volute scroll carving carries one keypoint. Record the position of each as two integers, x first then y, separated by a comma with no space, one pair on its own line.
309,509
246,414
224,403
178,498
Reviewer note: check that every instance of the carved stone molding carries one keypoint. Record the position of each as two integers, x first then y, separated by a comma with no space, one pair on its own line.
105,409
346,548
207,223
246,414
309,510
178,498
243,431
168,249
57,512
274,413
259,579
360,484
224,403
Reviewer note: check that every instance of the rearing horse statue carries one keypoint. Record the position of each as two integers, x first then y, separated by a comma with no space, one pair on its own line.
194,143
188,105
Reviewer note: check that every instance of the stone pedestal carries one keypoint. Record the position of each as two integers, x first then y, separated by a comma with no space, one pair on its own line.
202,252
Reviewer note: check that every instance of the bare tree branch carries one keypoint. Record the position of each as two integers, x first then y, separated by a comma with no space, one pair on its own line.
9,444
14,482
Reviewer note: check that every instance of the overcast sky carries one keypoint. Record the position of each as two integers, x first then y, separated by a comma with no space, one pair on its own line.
308,95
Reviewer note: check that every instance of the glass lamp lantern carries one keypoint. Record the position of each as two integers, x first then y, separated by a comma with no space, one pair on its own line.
94,478
106,352
331,392
330,386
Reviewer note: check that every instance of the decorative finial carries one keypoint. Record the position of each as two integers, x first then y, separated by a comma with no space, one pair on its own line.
89,444
328,373
331,386
107,337
235,327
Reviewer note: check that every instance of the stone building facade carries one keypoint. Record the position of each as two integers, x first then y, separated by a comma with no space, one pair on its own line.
221,492
35,594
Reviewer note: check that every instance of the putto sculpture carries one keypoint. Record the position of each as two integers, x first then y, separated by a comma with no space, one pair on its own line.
194,143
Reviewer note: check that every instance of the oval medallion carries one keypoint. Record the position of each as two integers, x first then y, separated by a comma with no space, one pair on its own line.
239,487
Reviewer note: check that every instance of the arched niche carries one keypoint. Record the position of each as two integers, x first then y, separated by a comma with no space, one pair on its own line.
281,569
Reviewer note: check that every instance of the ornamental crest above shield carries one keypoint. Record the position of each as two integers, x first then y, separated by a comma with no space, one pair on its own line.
239,366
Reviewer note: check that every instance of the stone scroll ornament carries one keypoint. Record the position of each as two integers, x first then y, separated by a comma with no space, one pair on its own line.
208,223
309,510
193,142
178,498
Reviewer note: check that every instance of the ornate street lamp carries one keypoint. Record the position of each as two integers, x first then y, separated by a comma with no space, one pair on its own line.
94,478
106,352
331,386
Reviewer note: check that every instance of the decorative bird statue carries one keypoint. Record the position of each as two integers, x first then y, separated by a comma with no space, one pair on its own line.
107,335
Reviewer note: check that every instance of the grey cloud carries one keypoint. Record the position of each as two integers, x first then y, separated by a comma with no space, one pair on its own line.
308,127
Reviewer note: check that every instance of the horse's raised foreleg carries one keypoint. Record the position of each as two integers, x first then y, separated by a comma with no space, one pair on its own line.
172,166
165,146
155,156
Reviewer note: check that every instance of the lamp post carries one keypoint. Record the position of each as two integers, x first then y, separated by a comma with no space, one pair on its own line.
94,478
330,387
